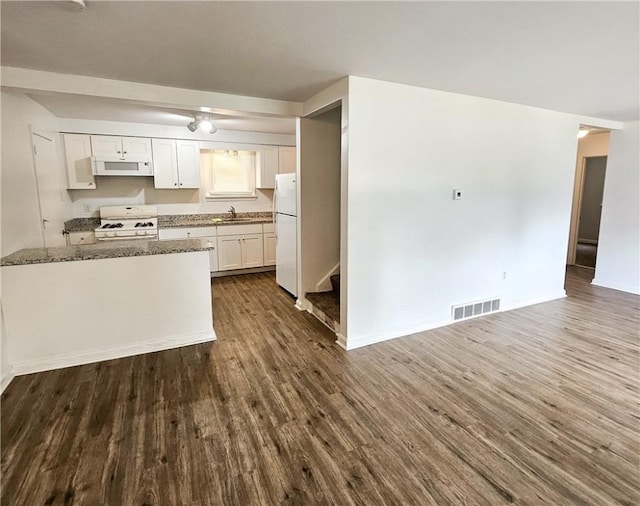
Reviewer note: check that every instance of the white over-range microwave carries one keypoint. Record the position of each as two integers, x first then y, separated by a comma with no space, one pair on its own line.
111,167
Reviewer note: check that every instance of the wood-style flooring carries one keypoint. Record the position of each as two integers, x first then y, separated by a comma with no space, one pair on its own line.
533,406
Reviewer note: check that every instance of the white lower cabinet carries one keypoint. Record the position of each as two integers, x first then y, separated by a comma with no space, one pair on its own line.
75,238
269,248
208,233
240,251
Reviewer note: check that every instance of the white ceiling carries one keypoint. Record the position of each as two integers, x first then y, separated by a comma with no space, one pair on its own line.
579,57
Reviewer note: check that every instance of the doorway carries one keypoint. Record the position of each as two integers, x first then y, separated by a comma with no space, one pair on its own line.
590,211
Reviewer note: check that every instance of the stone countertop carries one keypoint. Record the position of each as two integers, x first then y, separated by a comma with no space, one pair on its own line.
179,221
103,250
209,220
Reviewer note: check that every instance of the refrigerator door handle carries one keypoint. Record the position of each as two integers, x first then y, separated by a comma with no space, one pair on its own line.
275,210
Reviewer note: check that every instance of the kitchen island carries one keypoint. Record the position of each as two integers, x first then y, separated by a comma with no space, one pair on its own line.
79,304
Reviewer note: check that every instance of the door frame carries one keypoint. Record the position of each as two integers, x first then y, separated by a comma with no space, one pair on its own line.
578,187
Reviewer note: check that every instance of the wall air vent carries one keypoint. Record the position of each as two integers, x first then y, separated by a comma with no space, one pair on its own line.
474,309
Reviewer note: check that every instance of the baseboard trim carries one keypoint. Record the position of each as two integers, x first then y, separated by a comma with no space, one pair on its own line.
235,272
302,305
324,285
352,344
341,341
533,302
7,376
620,288
60,362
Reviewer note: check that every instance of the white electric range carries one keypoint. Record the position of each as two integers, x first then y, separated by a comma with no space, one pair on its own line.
119,223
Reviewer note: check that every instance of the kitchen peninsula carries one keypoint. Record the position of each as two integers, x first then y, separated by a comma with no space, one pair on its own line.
72,305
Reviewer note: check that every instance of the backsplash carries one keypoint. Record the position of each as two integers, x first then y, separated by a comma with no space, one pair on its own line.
123,191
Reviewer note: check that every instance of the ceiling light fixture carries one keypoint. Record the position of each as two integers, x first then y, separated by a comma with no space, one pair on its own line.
583,132
203,124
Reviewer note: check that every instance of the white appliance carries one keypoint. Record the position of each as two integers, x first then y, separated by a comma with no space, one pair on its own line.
285,219
114,167
118,223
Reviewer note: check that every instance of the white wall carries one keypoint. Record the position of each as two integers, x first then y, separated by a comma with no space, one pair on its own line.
319,184
618,262
20,213
414,251
589,146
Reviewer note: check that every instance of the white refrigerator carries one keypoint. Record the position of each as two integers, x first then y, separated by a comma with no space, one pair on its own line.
285,218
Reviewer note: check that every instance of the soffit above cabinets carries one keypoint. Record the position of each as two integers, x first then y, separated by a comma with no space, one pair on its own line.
106,109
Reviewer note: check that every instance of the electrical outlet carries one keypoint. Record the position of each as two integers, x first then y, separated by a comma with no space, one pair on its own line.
457,194
88,208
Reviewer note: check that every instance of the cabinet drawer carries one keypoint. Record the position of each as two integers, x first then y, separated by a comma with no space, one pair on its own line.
166,234
255,228
268,228
75,238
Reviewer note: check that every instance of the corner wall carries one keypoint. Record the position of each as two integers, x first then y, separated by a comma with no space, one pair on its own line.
618,261
20,211
413,250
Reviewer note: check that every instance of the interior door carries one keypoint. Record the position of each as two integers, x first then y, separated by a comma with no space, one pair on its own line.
591,205
51,198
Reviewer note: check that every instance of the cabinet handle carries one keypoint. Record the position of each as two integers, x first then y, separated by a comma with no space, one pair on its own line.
124,153
180,184
175,184
118,152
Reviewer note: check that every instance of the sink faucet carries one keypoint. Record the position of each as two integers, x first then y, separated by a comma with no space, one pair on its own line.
232,211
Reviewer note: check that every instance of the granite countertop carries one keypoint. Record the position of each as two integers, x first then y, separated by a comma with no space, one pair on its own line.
103,250
179,220
214,219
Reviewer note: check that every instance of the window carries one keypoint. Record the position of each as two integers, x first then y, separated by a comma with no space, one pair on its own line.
229,173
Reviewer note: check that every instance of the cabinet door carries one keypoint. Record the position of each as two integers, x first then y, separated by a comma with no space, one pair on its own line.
77,147
136,147
188,164
286,159
252,251
107,146
266,173
269,249
229,252
213,253
165,163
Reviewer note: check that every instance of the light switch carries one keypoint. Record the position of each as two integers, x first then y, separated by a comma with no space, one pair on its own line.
457,194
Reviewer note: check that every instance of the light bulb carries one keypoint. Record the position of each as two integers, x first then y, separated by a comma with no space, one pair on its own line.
205,125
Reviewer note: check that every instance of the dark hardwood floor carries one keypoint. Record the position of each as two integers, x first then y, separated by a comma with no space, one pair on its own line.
534,406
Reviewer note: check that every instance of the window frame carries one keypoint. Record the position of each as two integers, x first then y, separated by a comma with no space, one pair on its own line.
208,173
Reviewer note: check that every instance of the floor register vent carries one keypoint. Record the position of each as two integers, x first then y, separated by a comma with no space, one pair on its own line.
475,309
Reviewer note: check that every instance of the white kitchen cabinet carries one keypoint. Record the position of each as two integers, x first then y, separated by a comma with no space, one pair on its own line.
120,148
240,251
268,167
286,159
274,160
269,248
76,238
206,233
176,164
77,148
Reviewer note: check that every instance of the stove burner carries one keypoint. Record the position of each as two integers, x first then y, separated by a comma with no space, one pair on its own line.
112,225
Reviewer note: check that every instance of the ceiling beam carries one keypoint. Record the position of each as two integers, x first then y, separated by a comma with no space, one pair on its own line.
147,94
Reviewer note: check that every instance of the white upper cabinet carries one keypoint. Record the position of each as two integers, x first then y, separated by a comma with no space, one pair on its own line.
176,164
120,148
268,167
274,160
79,172
286,159
165,163
188,164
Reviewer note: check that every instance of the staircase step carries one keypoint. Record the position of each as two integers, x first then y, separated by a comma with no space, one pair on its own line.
335,283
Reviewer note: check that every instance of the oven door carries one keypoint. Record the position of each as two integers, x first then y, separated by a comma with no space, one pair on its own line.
102,167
